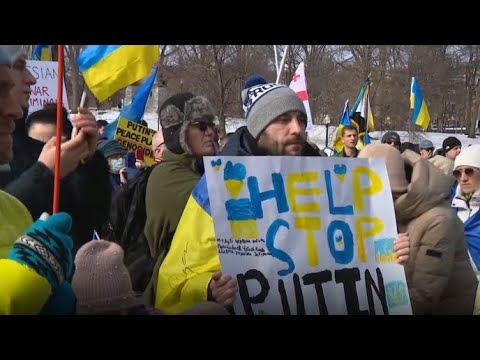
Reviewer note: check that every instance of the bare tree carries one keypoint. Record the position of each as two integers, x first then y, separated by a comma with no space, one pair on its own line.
315,58
75,83
216,71
448,74
472,81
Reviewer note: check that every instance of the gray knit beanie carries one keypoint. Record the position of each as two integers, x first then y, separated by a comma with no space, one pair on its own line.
265,102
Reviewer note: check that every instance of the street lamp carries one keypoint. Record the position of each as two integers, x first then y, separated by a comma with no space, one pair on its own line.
326,122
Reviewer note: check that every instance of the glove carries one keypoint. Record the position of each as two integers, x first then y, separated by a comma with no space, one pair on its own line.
61,302
47,248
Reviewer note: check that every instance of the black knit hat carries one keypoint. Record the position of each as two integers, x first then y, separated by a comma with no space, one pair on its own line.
449,143
175,114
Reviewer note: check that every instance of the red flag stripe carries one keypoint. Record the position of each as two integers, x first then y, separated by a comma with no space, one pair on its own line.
302,95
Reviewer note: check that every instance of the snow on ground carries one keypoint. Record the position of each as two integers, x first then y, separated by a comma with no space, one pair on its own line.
317,134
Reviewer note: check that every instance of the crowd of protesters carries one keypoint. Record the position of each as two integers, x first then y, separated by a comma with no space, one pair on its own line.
63,264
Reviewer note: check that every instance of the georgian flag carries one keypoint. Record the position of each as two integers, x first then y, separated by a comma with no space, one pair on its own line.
299,85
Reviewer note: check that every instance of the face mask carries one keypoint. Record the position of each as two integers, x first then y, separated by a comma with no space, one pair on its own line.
116,165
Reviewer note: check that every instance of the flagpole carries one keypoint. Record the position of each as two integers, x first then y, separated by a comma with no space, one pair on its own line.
365,103
82,103
276,58
58,140
365,108
282,64
410,113
409,131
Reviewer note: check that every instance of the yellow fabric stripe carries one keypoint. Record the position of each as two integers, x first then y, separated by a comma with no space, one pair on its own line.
46,54
16,219
423,118
337,143
185,273
126,65
22,290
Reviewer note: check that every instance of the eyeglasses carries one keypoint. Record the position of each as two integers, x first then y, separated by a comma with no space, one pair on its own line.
203,125
468,172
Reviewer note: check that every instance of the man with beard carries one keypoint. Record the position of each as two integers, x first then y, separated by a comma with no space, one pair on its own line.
276,123
85,189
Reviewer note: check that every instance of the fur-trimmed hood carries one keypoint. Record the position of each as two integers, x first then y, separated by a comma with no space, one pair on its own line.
176,113
427,188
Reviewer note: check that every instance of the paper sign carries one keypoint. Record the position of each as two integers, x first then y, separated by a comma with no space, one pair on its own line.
307,235
45,90
133,136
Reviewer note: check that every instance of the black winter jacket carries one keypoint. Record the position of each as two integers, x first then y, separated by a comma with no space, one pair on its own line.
85,193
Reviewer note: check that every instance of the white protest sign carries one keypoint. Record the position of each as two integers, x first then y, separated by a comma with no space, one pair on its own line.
45,90
307,235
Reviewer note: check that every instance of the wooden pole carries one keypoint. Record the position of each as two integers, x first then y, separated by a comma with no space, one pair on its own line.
58,143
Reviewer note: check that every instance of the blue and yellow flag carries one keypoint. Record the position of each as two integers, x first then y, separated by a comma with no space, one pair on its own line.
345,120
420,115
42,53
135,109
177,290
109,68
361,115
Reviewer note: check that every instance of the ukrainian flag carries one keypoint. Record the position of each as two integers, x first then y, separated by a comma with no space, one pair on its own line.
187,269
135,109
420,115
42,53
345,120
109,68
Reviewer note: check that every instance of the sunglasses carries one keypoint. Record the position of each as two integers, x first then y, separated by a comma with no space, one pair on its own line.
203,125
468,171
390,142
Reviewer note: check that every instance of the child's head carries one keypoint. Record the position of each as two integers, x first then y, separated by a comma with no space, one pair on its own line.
101,281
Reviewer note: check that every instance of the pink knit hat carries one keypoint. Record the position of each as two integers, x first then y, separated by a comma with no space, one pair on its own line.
101,281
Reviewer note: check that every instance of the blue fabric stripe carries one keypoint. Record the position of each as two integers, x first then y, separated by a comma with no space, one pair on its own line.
345,120
417,101
37,51
472,234
200,194
135,110
93,54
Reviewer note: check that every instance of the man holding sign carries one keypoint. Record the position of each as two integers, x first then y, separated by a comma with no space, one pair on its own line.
191,271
